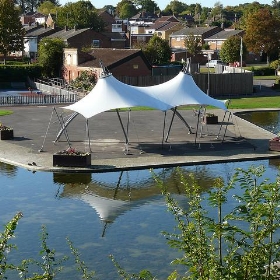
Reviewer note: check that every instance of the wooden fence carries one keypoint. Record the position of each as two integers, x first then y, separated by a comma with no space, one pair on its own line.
226,84
37,99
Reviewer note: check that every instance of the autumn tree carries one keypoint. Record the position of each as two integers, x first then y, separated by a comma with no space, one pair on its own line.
157,51
50,56
193,44
81,14
231,49
11,31
264,36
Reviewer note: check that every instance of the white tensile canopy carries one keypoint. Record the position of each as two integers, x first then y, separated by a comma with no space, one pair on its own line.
182,90
109,93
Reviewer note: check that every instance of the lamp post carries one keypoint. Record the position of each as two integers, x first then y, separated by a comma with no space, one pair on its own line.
208,80
241,53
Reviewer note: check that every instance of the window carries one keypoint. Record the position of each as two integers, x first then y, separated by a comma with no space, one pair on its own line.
135,66
95,43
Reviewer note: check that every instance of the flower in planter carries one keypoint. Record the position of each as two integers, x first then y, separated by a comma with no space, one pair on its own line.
210,115
3,127
276,139
72,152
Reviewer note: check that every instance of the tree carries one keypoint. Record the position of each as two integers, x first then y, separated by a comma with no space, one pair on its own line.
193,44
11,31
157,51
85,81
217,10
126,9
262,37
50,56
177,7
231,49
47,7
81,14
146,5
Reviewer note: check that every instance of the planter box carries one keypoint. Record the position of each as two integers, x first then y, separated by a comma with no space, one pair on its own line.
211,119
72,160
274,145
7,134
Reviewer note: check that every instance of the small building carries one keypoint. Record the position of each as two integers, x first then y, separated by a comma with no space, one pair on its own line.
120,62
216,41
88,38
177,39
32,38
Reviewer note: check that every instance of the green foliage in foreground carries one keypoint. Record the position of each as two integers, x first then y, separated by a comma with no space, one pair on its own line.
238,243
217,240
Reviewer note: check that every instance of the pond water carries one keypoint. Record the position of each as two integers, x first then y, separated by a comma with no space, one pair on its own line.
118,213
269,120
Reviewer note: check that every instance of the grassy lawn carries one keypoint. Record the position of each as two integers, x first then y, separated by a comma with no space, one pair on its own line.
5,112
255,102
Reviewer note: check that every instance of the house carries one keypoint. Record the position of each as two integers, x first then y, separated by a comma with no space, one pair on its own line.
33,18
216,41
108,19
120,62
142,32
177,39
32,38
164,26
166,30
87,37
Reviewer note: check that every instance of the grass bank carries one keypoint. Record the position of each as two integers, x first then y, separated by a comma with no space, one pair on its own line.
5,112
255,102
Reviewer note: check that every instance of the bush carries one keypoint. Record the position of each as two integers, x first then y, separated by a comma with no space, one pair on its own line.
19,73
262,71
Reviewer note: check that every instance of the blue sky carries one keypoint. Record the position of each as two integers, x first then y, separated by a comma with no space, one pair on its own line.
163,3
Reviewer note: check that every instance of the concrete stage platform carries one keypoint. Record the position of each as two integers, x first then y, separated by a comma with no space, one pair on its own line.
33,147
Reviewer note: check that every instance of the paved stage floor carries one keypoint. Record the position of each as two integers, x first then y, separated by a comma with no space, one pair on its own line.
36,128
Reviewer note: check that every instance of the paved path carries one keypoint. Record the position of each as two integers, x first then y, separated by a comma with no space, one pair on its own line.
33,141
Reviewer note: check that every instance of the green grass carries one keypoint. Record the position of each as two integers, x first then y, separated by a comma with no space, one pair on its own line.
5,112
255,102
272,77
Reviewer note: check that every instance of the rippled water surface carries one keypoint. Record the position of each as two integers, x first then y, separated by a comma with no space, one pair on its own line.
269,120
120,213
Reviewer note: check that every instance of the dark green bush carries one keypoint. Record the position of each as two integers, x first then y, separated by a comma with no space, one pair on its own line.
263,71
19,73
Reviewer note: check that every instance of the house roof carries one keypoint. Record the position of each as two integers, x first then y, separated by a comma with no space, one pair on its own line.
225,34
66,34
168,26
112,57
157,25
167,18
195,30
40,31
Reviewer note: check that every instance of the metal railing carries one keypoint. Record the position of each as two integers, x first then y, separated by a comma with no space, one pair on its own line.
37,99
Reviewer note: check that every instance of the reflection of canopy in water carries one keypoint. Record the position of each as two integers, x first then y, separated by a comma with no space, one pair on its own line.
110,203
